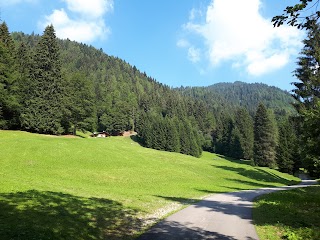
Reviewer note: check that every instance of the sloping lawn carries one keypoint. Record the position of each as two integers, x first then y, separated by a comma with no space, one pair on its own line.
293,214
88,188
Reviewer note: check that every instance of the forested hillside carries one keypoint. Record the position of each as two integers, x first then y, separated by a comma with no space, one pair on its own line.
240,94
59,86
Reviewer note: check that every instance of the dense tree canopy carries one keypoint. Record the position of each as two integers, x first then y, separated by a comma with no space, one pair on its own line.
307,94
60,86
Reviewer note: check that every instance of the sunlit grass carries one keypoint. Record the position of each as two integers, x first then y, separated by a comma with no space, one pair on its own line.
293,214
116,170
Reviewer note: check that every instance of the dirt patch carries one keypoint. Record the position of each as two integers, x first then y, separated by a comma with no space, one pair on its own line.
129,133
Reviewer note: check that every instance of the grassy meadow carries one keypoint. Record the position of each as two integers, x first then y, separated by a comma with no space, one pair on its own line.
89,188
292,215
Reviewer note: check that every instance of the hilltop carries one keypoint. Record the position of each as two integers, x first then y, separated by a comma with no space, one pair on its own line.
245,95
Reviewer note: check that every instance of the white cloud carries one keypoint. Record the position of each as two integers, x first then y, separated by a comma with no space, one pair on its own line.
79,30
194,14
87,23
90,8
261,64
234,31
182,43
194,54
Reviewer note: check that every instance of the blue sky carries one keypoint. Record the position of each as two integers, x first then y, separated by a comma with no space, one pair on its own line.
177,42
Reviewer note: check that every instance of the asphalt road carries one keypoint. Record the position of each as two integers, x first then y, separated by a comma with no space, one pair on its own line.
220,216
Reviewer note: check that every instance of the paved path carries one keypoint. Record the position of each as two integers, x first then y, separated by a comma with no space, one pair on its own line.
220,216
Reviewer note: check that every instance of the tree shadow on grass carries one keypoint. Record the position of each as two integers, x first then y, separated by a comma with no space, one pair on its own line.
258,174
296,211
138,140
51,215
234,160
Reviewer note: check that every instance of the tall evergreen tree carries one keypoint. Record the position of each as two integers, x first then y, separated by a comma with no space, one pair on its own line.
307,94
172,136
23,64
287,147
9,91
264,141
244,124
81,113
44,108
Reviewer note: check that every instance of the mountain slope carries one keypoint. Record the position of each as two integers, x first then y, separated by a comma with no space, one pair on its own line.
240,94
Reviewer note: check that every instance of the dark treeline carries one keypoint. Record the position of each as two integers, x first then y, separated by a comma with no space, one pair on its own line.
59,86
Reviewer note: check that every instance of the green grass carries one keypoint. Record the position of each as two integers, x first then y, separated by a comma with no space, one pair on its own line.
293,214
68,188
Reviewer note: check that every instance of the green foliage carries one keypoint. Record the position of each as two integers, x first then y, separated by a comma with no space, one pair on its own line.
9,102
264,139
79,102
290,214
307,94
170,134
296,15
287,155
228,97
234,138
311,150
44,106
244,126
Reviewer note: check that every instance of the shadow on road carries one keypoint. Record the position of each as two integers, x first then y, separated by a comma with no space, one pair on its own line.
239,208
170,230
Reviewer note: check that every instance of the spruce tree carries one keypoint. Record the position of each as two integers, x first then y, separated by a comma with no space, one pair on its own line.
244,124
44,108
286,149
184,131
236,150
9,91
264,141
307,94
172,136
81,112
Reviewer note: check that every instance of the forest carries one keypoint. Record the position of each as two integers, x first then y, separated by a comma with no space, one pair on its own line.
53,86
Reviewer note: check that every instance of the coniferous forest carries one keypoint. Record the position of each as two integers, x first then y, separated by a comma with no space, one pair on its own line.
53,86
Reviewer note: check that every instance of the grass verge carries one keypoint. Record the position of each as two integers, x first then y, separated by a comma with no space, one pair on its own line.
293,214
68,188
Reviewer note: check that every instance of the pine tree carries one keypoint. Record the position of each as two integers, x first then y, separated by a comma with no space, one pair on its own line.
264,141
307,91
236,150
9,103
307,94
244,124
81,113
184,131
172,136
286,149
44,108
